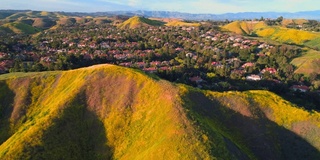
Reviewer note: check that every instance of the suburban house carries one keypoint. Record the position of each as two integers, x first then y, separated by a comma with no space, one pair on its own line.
253,77
301,88
196,79
270,70
248,64
150,70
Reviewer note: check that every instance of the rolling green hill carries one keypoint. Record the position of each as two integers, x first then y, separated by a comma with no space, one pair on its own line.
30,22
18,27
32,14
17,15
5,30
105,111
135,22
4,15
26,21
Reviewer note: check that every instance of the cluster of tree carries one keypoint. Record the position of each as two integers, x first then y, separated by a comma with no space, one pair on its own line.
272,22
310,25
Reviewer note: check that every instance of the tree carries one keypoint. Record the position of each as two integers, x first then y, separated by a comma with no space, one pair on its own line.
252,57
16,66
244,55
267,75
188,62
38,67
297,77
289,69
218,56
235,75
224,85
279,19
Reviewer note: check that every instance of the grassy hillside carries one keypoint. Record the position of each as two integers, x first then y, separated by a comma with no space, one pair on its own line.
16,16
308,63
102,20
105,111
66,21
181,23
28,21
18,27
276,33
33,14
43,23
244,27
82,20
4,15
136,21
260,124
287,22
234,27
31,22
132,115
293,36
5,30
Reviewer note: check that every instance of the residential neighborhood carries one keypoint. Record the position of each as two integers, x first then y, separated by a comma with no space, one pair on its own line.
178,54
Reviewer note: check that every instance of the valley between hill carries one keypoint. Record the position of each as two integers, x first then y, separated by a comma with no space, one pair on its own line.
111,112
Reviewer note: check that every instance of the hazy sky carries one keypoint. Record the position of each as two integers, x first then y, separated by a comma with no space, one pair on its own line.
190,6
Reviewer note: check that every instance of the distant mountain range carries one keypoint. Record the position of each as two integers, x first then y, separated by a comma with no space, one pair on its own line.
230,16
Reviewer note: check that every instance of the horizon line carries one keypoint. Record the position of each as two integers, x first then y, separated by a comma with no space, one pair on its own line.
159,11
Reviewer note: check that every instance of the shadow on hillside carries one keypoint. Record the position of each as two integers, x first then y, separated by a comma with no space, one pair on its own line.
77,134
6,108
308,101
264,138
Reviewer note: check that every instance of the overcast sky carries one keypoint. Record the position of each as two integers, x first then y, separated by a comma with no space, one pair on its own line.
190,6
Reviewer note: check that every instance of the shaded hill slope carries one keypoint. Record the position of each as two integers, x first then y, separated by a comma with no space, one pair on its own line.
106,111
15,15
43,23
31,22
